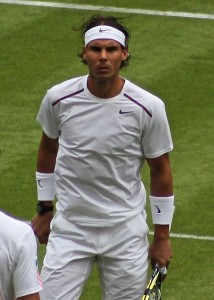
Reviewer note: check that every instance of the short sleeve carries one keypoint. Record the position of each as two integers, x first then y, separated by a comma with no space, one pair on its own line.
156,136
47,117
26,278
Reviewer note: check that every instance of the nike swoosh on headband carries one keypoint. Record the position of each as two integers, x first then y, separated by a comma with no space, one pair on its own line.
102,30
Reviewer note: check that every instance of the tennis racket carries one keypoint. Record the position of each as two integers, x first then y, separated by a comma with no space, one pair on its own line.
153,289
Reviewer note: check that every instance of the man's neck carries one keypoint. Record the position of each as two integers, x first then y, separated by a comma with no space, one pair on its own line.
105,88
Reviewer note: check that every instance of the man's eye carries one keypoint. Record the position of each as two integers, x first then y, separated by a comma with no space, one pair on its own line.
112,49
96,49
108,49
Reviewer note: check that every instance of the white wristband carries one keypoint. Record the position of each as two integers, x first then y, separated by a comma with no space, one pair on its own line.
45,186
162,209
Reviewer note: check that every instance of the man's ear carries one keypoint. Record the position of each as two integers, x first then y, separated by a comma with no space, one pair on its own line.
125,54
83,52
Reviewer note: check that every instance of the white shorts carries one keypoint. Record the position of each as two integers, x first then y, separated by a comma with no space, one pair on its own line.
120,252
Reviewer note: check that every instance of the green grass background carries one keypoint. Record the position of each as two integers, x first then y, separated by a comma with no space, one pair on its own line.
171,57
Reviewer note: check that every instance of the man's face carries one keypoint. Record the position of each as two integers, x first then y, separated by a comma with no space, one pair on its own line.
104,58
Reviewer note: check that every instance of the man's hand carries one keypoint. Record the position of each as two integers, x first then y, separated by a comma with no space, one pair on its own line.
160,251
41,226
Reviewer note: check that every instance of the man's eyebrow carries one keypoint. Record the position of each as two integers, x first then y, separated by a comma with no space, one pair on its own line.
104,47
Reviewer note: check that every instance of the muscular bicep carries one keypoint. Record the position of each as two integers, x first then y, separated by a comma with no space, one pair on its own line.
161,182
47,153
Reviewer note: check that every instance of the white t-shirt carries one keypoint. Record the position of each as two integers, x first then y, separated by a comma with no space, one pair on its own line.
18,259
102,147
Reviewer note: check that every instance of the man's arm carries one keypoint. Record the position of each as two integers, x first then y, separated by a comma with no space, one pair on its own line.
161,185
46,160
30,297
47,153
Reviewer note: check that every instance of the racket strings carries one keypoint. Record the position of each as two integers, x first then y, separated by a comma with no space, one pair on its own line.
155,293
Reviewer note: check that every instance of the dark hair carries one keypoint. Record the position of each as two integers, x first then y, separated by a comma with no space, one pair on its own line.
97,20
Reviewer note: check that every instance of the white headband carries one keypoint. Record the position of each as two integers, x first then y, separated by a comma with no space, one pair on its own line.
104,32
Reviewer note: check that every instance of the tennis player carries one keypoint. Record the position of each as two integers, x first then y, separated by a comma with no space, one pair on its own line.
98,131
19,278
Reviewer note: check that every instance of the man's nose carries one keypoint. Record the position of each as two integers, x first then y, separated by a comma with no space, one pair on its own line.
103,54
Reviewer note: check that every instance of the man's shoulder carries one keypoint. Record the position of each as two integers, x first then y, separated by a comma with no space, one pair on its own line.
13,228
67,87
139,93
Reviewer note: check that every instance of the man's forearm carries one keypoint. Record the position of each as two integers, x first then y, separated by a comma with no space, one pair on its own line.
161,232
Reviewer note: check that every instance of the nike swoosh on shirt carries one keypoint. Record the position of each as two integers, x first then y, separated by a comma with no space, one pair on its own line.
122,112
